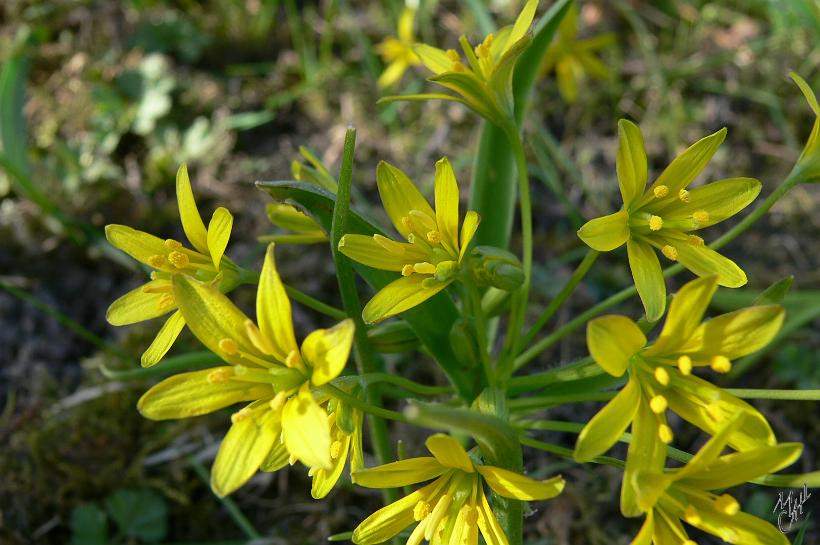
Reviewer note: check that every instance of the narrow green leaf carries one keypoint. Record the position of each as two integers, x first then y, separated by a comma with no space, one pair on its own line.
774,294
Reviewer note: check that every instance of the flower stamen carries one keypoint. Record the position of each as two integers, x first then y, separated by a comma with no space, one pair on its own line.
720,364
661,191
655,223
670,252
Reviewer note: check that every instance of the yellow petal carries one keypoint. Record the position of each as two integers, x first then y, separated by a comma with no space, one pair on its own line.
447,203
739,467
735,334
401,473
327,351
164,340
391,519
449,452
712,449
276,459
435,59
139,245
612,340
568,71
807,91
324,480
685,313
468,230
488,524
306,431
522,23
137,305
646,532
405,26
721,200
219,231
516,486
704,261
399,196
686,166
604,429
368,251
606,233
273,309
737,528
393,73
648,276
192,394
646,454
400,295
188,213
244,448
631,162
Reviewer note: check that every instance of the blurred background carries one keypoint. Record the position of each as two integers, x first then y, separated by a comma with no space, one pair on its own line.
101,100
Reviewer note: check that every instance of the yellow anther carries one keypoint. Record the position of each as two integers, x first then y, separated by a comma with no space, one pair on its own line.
658,404
335,449
655,223
453,55
482,52
438,514
407,270
218,376
695,240
727,505
685,365
166,301
714,412
488,40
424,268
700,216
178,259
407,223
720,364
172,244
259,341
157,261
228,346
691,516
162,288
434,237
421,510
240,415
278,401
662,376
665,433
683,195
293,359
670,251
661,191
458,67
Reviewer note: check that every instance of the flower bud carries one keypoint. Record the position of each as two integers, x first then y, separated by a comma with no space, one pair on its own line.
497,268
393,337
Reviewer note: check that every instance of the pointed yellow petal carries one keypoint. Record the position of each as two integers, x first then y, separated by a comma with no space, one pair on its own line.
392,73
631,162
604,429
649,281
244,448
192,394
276,459
400,295
327,351
401,473
721,200
612,340
646,454
739,467
405,26
714,447
523,22
488,524
139,245
686,166
188,213
137,305
435,59
606,233
468,230
324,480
685,313
515,486
164,340
305,430
219,231
449,452
704,261
447,203
735,334
737,528
399,196
807,91
368,251
567,71
273,309
390,520
644,536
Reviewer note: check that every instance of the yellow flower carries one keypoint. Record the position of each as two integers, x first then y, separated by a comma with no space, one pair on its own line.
451,509
809,161
267,368
484,84
346,439
572,58
663,216
206,262
432,256
661,378
398,52
686,494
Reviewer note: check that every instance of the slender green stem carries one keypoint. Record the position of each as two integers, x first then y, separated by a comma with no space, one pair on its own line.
174,364
227,502
481,330
407,384
583,368
363,353
543,402
562,296
364,406
315,304
568,453
793,395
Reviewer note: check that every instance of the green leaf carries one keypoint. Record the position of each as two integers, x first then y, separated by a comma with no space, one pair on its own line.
431,321
139,513
774,294
89,525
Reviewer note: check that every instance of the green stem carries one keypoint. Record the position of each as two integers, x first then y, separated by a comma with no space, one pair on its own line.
174,364
481,329
362,353
227,502
544,402
315,304
793,395
583,368
562,296
567,452
364,406
407,384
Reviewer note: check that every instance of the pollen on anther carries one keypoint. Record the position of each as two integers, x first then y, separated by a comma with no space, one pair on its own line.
701,216
655,223
695,240
407,270
229,346
691,516
167,300
424,268
156,261
658,404
421,510
662,376
293,359
434,237
661,191
727,505
407,223
335,449
665,433
720,364
670,252
683,195
172,244
453,55
240,415
218,376
685,365
178,259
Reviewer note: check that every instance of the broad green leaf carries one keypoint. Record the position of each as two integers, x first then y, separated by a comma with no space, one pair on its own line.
89,525
139,513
